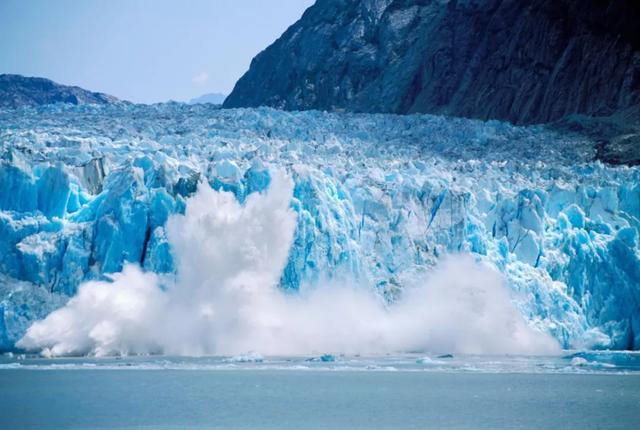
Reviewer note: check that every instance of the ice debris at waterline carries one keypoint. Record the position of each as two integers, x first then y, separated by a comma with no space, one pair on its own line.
377,201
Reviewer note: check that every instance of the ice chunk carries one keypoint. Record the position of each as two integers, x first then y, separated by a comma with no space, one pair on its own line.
579,362
250,357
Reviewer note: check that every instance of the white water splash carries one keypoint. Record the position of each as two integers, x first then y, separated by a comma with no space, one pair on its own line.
226,299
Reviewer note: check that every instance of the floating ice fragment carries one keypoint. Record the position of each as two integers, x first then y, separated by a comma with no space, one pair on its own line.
251,357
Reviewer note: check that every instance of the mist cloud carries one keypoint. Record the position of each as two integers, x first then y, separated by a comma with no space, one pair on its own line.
225,299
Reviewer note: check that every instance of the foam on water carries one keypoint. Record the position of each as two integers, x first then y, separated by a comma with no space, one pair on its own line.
606,363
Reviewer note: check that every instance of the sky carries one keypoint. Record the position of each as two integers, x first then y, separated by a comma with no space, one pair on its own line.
144,51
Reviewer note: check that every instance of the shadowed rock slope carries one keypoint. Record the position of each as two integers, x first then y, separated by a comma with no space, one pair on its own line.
523,61
17,91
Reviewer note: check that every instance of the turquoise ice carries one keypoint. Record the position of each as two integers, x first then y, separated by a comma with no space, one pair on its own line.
379,199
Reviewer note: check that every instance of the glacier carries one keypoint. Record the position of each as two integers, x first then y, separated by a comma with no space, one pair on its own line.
86,190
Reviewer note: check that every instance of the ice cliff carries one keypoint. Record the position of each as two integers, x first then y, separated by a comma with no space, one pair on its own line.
377,198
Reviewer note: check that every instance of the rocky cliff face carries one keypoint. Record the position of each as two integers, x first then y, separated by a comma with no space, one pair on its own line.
524,61
17,91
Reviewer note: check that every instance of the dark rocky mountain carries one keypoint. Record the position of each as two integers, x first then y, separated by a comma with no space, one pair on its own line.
523,61
17,91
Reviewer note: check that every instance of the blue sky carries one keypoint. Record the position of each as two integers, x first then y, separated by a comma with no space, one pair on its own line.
141,50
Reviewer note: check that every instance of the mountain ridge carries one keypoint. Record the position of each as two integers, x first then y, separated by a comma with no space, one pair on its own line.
213,98
17,91
524,62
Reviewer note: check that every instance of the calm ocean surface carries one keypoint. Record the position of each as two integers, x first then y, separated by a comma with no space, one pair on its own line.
362,393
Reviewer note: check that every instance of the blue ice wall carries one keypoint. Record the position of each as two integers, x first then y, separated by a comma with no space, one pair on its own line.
379,200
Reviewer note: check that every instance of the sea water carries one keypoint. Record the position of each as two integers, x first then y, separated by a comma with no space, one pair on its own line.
581,391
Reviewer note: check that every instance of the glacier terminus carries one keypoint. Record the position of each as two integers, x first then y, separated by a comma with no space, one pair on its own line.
376,201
